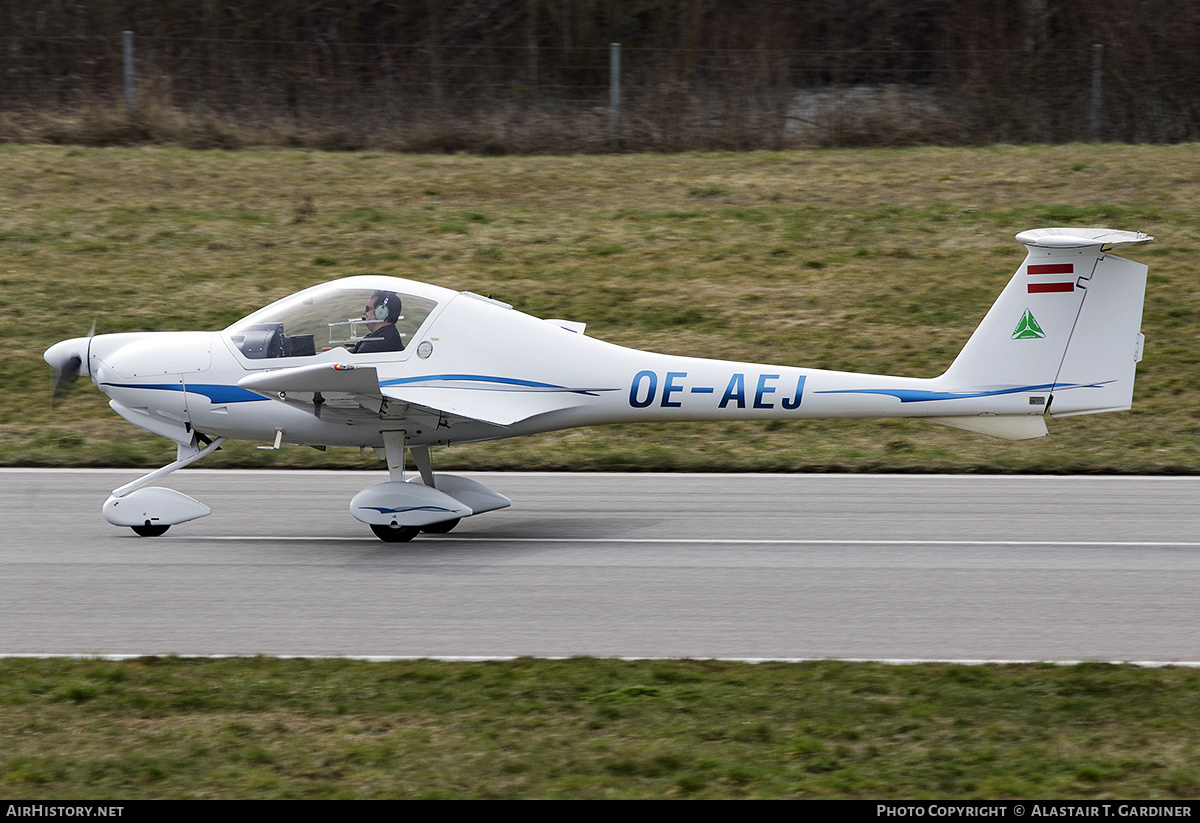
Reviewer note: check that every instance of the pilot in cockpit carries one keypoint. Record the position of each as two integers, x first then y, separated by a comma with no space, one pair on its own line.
381,313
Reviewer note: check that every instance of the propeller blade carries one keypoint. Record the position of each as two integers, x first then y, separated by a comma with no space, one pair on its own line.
64,378
68,360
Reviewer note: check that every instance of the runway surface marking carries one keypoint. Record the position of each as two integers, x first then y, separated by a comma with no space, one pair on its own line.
426,541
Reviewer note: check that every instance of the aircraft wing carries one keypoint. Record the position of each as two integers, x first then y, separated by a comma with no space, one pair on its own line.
319,377
500,401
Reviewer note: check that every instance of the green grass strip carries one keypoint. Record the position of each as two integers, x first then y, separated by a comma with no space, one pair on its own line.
271,728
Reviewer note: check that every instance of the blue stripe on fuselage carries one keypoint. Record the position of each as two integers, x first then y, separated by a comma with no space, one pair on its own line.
215,392
923,396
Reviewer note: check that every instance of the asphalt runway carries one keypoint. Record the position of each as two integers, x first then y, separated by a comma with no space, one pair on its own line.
727,566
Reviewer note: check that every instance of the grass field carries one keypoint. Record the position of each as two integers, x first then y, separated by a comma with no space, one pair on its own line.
878,261
169,728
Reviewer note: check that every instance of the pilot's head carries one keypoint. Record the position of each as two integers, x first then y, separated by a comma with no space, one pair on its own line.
382,307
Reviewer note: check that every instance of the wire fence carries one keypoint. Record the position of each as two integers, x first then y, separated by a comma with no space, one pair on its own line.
538,99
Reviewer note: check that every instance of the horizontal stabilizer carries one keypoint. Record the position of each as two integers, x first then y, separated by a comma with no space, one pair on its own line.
1009,427
1076,238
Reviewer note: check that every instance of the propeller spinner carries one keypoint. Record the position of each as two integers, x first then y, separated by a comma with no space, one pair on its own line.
69,359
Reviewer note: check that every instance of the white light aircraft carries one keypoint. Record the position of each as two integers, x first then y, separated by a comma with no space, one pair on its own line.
399,367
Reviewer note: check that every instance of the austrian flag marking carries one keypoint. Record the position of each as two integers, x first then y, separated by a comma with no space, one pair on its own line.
1051,287
1051,268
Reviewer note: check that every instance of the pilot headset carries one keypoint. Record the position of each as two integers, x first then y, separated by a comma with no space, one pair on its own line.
384,308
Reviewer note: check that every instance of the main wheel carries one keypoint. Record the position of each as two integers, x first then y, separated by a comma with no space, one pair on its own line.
441,528
149,530
395,534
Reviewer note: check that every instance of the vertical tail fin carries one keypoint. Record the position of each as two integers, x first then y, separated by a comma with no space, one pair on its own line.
1067,325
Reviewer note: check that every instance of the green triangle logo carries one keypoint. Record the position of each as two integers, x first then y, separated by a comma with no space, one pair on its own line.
1027,328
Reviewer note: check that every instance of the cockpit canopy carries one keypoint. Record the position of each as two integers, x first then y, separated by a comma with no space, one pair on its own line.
333,316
